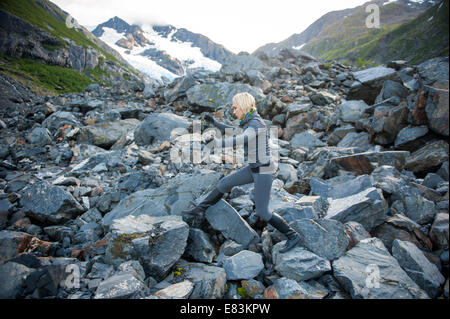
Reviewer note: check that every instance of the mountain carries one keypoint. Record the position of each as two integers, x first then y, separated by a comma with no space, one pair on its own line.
161,50
42,47
339,34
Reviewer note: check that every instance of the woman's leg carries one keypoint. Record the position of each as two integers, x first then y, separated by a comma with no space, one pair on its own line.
263,186
240,177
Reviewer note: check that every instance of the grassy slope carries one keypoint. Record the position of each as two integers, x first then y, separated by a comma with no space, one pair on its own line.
42,77
415,40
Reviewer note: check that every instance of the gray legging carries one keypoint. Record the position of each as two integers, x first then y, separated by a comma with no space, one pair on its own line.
263,185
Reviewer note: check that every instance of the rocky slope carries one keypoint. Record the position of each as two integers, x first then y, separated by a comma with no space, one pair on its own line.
92,186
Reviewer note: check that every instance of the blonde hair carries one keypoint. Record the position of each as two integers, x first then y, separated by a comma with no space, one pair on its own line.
245,101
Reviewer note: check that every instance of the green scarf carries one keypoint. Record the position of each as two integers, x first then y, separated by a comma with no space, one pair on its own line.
245,116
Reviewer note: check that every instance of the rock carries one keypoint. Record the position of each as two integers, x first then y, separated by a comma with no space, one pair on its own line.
360,140
209,97
434,69
369,208
437,108
439,231
355,232
428,157
298,263
244,265
157,242
305,139
287,172
209,281
181,290
299,123
369,271
411,138
387,123
224,218
432,180
418,267
12,277
333,187
199,246
339,133
105,134
242,63
369,82
178,87
324,237
352,111
14,243
169,199
392,90
48,203
58,119
297,108
121,286
253,287
285,288
160,127
40,136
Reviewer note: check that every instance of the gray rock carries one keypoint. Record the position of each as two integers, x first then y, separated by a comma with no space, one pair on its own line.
121,286
418,267
178,87
49,203
432,180
416,206
243,63
157,242
369,208
392,90
40,136
387,122
12,277
334,187
199,246
439,231
324,237
224,218
58,119
298,263
339,133
431,155
285,288
160,127
244,265
169,199
352,111
360,140
305,139
181,290
209,97
355,232
369,271
209,281
408,137
434,69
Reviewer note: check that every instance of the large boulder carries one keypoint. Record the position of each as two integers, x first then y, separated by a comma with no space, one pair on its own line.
352,111
224,218
299,263
324,237
209,97
49,203
242,63
105,134
160,127
369,208
170,199
369,271
157,242
368,83
428,158
418,267
243,265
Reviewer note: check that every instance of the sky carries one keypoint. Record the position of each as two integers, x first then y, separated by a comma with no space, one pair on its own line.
238,25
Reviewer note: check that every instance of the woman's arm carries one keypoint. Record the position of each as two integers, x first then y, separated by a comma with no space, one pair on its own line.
219,125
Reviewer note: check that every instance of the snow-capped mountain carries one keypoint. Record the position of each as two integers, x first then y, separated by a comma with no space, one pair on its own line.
161,51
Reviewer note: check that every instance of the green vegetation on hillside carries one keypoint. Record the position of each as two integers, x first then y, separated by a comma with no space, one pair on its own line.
415,40
51,77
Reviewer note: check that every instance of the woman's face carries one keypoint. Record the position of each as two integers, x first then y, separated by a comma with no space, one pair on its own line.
238,112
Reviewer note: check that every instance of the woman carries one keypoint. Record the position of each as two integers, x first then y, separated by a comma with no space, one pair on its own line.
260,170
